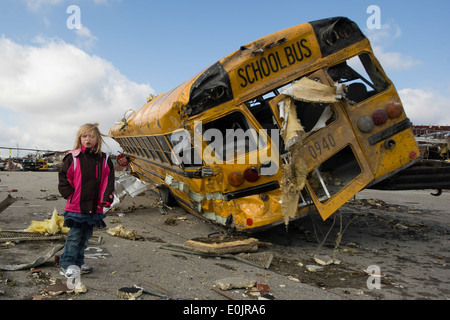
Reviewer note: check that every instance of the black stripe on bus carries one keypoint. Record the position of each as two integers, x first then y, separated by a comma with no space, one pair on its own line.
389,132
251,191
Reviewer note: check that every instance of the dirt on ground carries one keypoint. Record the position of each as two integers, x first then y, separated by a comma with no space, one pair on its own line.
379,246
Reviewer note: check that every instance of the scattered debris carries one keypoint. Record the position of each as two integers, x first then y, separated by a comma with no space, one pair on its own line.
121,232
53,225
235,283
323,260
262,287
11,236
7,202
257,259
254,289
126,185
174,221
61,288
223,293
129,293
153,290
222,244
56,289
35,263
313,268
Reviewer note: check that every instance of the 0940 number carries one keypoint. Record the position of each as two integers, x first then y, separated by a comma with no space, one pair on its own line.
316,148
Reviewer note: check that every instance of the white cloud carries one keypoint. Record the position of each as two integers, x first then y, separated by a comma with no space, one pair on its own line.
381,39
85,39
48,90
426,107
35,5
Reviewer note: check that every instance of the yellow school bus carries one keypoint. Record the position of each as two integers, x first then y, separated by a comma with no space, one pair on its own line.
298,121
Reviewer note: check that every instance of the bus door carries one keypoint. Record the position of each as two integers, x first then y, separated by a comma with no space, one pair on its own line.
336,166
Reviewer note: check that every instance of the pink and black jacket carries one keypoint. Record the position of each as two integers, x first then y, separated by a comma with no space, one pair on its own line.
86,180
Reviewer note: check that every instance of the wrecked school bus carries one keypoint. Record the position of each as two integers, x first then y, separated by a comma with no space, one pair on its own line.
298,121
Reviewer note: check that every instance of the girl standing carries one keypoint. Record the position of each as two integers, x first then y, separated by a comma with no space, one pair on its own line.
86,180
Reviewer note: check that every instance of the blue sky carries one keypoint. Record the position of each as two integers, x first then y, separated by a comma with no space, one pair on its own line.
53,78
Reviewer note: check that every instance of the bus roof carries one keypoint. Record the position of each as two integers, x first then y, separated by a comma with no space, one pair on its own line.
232,77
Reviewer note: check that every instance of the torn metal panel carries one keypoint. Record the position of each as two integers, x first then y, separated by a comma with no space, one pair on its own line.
7,202
126,185
295,169
40,260
195,197
311,91
334,34
211,88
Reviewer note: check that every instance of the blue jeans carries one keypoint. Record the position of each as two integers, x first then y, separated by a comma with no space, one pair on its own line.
76,242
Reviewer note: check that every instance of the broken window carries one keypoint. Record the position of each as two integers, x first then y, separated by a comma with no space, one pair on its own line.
334,174
183,150
230,136
137,147
157,149
149,148
166,149
362,78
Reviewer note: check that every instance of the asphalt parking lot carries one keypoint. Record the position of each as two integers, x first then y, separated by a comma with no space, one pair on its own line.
386,245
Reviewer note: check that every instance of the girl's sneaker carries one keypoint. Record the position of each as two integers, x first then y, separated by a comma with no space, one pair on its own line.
86,269
70,271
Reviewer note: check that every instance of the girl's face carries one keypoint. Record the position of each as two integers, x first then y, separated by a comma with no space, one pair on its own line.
89,139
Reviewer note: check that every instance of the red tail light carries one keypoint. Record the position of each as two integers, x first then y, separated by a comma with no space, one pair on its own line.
380,117
251,174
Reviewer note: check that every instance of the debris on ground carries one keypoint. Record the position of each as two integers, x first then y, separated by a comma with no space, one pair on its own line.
256,259
7,202
50,226
222,244
153,290
40,260
235,283
129,293
121,232
253,289
174,221
126,185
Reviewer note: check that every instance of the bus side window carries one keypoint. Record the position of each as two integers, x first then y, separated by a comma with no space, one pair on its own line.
237,135
361,76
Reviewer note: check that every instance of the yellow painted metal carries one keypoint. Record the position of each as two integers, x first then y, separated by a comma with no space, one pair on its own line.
206,196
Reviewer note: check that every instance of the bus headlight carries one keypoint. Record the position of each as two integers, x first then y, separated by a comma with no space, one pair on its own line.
251,174
235,179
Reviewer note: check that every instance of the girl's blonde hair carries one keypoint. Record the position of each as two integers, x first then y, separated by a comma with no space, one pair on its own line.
88,127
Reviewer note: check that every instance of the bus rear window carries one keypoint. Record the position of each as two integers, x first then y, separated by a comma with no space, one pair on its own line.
361,76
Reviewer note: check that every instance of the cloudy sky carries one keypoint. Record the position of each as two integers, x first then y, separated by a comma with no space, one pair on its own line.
67,62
